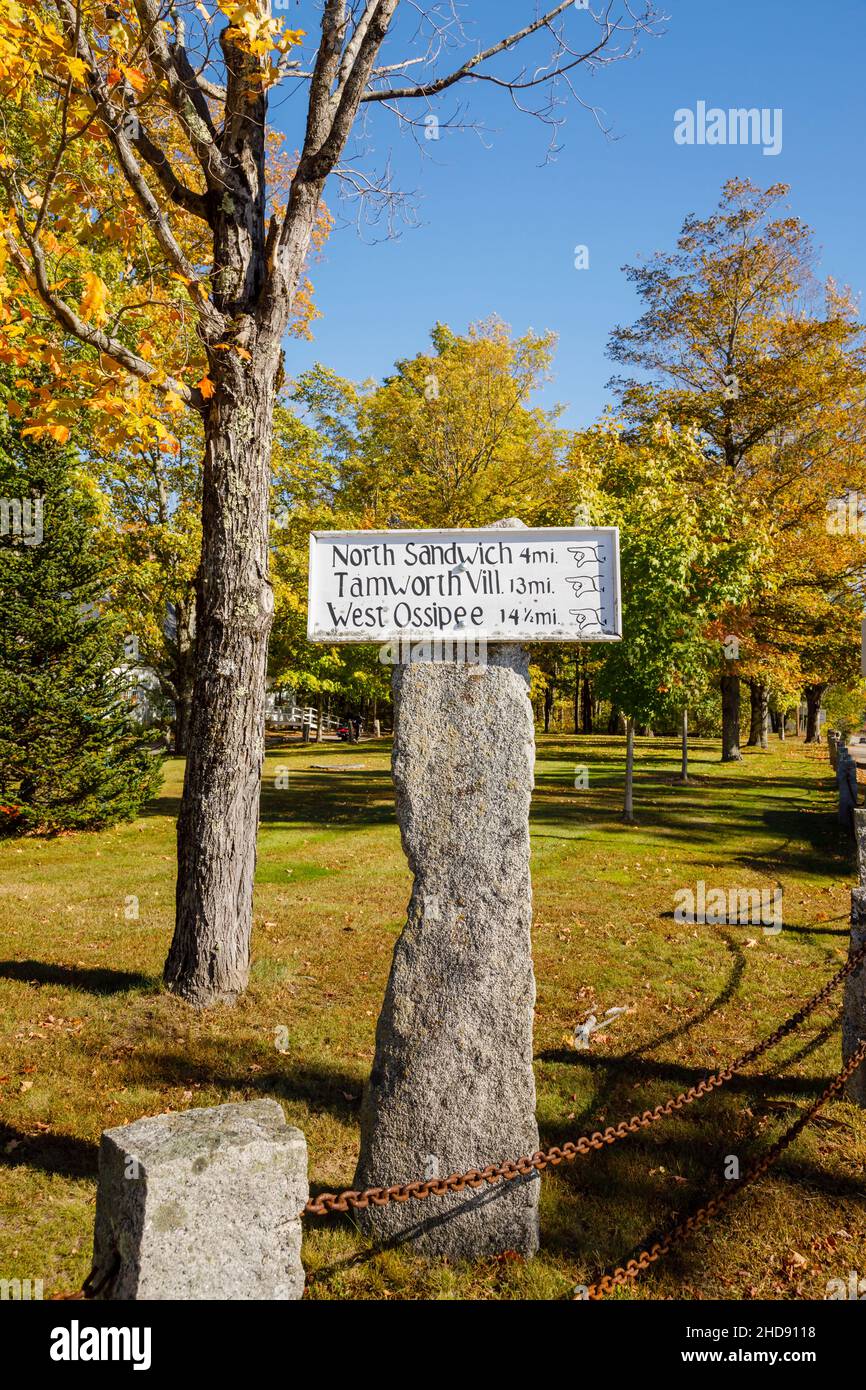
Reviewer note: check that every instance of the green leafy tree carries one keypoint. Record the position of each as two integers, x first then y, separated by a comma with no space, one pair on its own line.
70,755
679,567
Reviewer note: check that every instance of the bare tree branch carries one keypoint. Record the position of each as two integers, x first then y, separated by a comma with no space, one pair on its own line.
186,97
317,163
470,67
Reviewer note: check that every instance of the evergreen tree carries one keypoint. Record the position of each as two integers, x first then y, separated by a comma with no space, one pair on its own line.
70,755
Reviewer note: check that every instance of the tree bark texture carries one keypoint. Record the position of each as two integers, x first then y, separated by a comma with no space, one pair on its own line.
258,265
209,958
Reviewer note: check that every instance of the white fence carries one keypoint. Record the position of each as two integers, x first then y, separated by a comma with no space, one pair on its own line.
299,716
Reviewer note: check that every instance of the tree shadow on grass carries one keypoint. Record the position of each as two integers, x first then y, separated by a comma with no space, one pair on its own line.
807,930
627,1071
48,1153
161,806
92,981
810,842
615,1202
320,1088
345,801
725,995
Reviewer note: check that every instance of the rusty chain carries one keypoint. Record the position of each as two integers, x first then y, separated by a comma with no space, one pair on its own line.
328,1202
626,1273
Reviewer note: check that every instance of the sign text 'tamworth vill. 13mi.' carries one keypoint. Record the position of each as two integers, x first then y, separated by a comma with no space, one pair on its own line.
546,584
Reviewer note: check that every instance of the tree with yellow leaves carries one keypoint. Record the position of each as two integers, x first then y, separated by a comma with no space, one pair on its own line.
138,130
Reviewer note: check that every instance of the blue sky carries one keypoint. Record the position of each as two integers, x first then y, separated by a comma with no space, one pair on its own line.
498,227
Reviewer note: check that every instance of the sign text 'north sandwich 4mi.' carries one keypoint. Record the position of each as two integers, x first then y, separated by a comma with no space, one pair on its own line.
546,584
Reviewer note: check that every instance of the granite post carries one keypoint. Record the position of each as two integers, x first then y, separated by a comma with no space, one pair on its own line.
452,1086
846,781
854,1007
860,841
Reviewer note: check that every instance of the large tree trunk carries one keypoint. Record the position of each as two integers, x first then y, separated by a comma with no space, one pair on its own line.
254,291
814,695
731,719
209,957
613,720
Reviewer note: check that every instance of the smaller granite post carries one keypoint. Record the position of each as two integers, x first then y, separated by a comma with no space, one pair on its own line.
201,1204
860,841
854,1008
833,737
846,781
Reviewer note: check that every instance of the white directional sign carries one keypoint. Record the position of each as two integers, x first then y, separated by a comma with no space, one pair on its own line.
549,584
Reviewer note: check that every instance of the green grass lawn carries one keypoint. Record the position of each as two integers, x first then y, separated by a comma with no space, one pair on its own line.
89,1040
